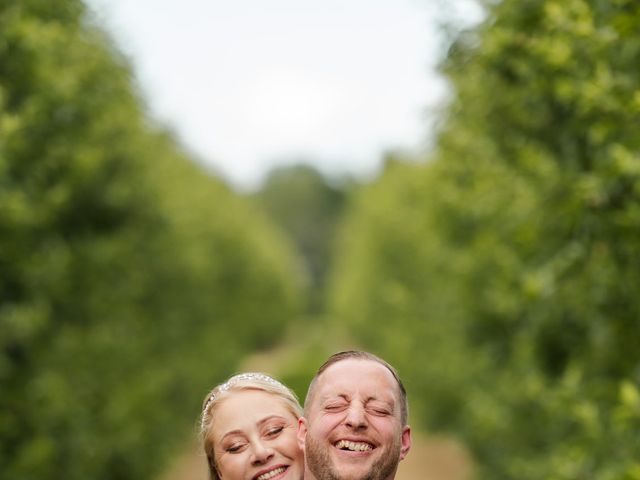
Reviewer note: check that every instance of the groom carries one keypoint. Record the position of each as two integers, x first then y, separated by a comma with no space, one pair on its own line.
355,420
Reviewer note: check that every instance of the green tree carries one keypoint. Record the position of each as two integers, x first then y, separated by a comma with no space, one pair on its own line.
130,280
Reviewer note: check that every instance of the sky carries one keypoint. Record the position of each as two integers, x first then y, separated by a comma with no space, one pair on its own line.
247,85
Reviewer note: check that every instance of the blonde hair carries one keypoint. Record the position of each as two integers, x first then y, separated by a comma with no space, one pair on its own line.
242,381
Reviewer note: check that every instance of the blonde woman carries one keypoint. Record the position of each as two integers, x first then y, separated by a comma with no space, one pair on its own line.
249,426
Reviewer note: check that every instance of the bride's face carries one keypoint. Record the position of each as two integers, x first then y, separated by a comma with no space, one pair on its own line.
254,437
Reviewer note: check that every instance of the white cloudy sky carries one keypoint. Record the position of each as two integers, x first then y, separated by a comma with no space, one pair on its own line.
248,84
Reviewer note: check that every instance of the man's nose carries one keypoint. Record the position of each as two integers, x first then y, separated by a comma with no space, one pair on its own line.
260,452
356,417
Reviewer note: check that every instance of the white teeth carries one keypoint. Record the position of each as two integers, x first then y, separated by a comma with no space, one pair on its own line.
271,474
353,446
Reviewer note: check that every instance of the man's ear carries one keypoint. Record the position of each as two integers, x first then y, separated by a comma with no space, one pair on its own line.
405,445
302,432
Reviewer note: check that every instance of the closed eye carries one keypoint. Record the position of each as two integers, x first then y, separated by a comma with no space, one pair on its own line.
379,412
235,448
273,432
379,409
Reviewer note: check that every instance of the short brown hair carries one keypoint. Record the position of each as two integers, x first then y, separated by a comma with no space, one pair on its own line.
359,355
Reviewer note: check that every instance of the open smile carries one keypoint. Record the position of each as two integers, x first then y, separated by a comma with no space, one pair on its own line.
353,446
273,473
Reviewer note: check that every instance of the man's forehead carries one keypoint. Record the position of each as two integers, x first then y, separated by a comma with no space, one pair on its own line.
354,374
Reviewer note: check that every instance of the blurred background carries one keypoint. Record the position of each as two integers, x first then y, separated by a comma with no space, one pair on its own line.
454,186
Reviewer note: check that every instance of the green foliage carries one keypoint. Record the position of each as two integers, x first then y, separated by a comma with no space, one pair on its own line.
501,276
131,281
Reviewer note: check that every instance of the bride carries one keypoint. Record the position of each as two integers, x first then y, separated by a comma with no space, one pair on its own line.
248,426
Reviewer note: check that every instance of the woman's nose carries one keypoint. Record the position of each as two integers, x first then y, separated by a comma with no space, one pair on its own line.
261,453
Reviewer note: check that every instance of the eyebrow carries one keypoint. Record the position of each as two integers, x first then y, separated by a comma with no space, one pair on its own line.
260,423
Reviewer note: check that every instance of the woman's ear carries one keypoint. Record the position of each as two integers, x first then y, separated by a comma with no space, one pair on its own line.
302,432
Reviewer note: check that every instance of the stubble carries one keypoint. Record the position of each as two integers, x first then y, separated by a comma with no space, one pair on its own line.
320,464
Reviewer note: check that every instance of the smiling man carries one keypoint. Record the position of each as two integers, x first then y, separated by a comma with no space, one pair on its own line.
355,420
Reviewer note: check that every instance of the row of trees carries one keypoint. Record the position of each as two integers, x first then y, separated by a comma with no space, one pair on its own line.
307,207
501,276
130,281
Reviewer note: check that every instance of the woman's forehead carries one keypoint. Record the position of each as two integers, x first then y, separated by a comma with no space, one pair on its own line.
246,409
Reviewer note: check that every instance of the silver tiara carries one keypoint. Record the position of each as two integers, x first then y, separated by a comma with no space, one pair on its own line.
234,381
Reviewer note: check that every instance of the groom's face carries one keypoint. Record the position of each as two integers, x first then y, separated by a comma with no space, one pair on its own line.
353,429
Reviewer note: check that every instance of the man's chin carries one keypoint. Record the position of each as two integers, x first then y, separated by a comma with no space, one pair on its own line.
352,472
352,468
